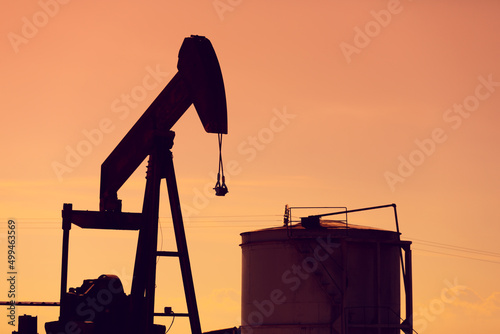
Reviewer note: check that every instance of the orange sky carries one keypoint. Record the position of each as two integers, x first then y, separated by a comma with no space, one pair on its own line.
331,103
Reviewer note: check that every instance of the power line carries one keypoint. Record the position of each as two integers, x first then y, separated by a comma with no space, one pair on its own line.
257,221
457,255
215,221
457,248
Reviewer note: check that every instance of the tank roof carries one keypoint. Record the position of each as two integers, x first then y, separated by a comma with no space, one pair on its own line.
328,224
334,228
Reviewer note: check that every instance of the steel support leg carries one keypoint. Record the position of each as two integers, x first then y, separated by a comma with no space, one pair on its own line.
66,226
144,282
182,248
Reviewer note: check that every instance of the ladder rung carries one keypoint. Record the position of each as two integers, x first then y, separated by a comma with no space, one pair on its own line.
171,314
167,253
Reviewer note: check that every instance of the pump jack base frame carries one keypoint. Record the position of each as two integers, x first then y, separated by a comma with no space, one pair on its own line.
142,297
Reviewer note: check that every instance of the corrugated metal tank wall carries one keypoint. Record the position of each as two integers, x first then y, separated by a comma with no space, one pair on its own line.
319,281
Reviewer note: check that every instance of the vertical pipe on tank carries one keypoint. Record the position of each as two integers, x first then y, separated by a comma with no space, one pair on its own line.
343,249
377,283
408,287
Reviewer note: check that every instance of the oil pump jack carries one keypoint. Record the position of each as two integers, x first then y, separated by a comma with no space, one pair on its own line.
199,82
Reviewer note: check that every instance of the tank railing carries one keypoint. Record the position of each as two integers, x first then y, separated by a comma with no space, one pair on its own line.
377,319
288,219
362,209
401,325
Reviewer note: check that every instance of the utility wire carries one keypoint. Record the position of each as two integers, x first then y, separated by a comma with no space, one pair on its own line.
457,248
256,221
457,255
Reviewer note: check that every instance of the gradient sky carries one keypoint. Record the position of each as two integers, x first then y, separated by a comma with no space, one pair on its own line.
331,103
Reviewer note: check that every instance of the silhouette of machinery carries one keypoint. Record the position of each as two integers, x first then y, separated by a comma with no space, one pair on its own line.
199,82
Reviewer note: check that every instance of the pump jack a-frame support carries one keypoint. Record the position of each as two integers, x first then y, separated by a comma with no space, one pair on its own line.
160,166
199,82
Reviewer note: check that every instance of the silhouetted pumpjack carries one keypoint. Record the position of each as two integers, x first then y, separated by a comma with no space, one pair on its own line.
199,82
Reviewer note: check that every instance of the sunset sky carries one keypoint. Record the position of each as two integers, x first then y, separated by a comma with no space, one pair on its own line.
330,103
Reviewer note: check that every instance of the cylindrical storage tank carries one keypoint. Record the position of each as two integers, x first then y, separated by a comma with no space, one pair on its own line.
330,279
